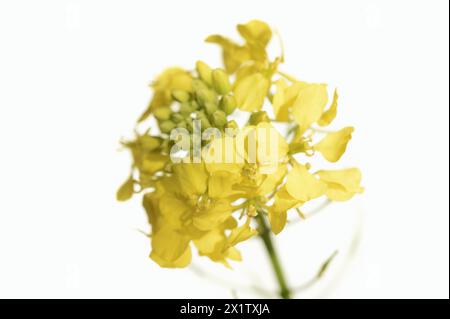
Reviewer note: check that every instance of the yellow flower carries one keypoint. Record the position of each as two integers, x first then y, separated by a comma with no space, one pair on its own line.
257,156
243,175
257,35
192,205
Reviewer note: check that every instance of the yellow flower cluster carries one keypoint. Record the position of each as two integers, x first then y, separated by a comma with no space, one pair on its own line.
214,205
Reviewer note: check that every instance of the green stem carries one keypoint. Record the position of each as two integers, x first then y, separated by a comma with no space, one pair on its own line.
266,237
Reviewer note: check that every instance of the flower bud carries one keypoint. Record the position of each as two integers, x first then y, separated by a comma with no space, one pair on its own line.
204,72
232,124
166,126
194,105
198,85
259,117
162,113
205,123
182,124
210,108
205,95
220,81
199,114
219,118
177,117
185,108
228,104
180,95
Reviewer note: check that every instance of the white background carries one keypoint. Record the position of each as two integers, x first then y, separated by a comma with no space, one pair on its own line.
74,77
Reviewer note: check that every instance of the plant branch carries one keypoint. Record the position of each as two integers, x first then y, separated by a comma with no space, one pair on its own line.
266,236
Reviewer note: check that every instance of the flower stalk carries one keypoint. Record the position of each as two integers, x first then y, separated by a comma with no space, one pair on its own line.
266,236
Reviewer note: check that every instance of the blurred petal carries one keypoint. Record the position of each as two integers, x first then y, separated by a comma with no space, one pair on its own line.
333,145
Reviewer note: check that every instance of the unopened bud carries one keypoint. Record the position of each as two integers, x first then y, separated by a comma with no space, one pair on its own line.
259,117
198,85
204,72
220,81
232,124
162,113
180,95
205,122
205,95
219,118
167,126
194,105
210,108
177,117
185,108
182,124
228,104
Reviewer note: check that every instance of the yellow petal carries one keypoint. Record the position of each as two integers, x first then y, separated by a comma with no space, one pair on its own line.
241,234
279,101
170,248
342,184
220,184
153,162
233,254
233,54
183,261
251,91
303,186
213,216
309,105
272,180
284,98
126,191
284,201
214,244
172,209
192,178
329,115
220,155
277,220
272,148
255,31
333,145
210,242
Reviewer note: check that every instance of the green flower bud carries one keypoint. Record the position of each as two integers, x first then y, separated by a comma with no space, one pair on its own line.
194,105
210,108
228,104
180,96
204,72
220,81
232,124
177,117
259,117
205,95
182,124
166,126
219,118
162,113
199,114
205,123
186,109
198,85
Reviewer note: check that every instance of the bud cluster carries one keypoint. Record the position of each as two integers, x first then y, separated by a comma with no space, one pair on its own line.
210,102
